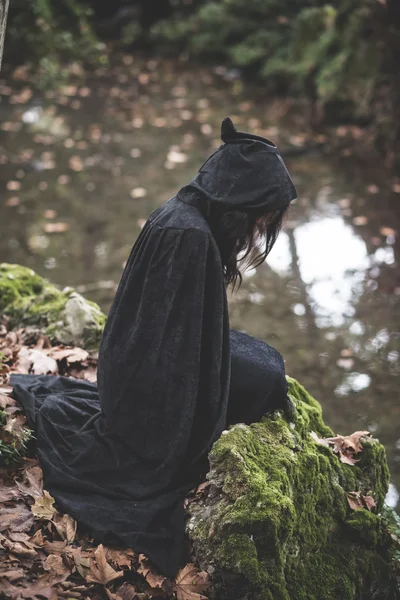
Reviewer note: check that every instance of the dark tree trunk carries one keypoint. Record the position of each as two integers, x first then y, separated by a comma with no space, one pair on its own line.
4,4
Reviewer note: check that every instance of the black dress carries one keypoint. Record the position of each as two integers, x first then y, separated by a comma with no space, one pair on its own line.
121,456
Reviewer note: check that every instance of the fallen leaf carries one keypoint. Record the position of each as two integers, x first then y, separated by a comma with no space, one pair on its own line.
203,486
348,446
66,527
32,483
21,548
126,592
122,558
15,426
37,539
13,575
9,493
56,227
17,518
155,580
54,562
190,582
387,231
72,355
361,220
54,547
358,501
100,570
354,500
43,507
369,502
6,401
39,362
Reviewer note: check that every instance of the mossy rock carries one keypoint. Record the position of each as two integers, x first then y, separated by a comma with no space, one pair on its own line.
64,315
276,523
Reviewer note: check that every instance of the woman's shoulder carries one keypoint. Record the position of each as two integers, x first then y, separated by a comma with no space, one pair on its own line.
175,214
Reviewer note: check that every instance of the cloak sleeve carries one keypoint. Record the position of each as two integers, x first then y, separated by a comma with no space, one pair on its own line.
164,360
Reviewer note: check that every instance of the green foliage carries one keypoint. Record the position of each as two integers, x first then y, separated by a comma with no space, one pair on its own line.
49,33
329,51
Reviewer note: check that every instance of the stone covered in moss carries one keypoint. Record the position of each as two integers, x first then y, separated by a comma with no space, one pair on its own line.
65,315
276,524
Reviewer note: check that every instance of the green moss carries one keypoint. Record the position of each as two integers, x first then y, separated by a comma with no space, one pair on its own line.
283,528
63,315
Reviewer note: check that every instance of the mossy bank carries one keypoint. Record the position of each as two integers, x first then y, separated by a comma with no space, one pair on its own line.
276,524
64,315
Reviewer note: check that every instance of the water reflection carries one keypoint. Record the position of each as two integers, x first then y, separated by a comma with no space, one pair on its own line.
332,263
83,168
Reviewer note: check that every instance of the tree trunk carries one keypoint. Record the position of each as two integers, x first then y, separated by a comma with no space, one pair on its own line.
4,4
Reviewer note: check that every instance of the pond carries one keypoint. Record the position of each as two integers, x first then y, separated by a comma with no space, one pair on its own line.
82,168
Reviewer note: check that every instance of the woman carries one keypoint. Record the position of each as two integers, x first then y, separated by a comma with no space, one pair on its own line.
171,375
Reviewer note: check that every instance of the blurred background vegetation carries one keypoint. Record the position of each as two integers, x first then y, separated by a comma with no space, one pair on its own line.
341,57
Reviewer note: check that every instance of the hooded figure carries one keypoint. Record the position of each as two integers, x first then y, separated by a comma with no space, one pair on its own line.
120,457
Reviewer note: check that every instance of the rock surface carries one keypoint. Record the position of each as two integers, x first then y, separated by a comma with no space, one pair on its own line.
274,521
64,315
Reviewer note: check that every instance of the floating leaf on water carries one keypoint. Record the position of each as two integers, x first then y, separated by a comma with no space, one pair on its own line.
361,220
138,192
56,227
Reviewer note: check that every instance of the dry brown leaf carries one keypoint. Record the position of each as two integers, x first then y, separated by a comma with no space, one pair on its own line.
190,583
20,547
72,355
121,557
346,446
17,518
387,231
36,362
44,506
54,547
56,227
155,580
354,500
203,486
144,565
66,527
100,570
369,502
8,493
6,401
357,501
32,483
13,574
15,426
55,563
37,539
126,592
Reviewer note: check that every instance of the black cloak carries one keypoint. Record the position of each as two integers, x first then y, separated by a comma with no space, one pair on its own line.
121,456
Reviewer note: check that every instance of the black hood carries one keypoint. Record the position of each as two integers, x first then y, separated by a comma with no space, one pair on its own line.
246,172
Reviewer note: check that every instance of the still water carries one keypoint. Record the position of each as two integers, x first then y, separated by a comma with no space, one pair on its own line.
82,168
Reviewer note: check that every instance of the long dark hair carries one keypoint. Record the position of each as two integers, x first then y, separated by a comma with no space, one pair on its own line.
243,238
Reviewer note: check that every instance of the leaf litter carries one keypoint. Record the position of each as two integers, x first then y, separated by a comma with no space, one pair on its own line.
43,554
